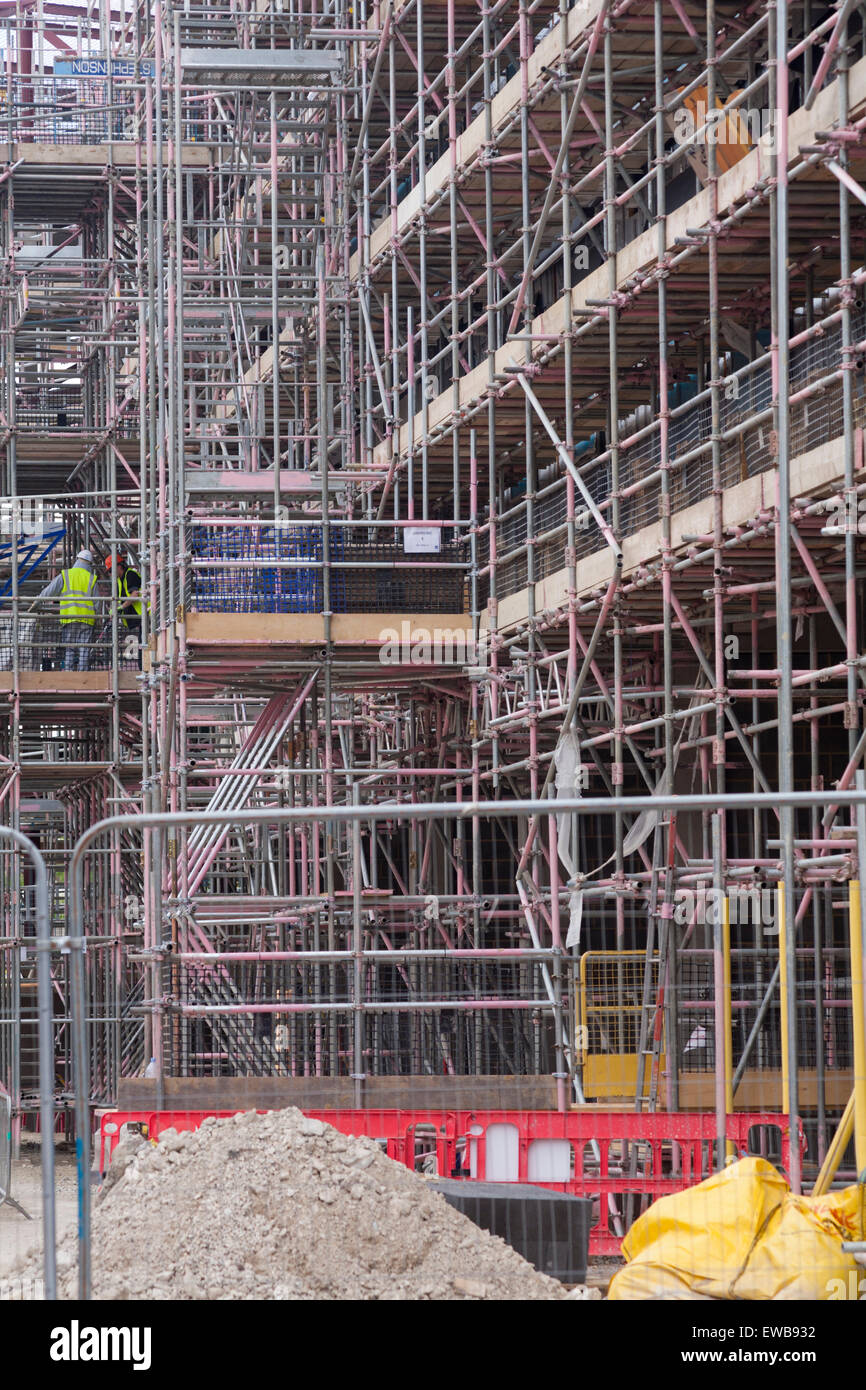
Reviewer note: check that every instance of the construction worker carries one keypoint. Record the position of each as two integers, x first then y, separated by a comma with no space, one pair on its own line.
130,606
75,590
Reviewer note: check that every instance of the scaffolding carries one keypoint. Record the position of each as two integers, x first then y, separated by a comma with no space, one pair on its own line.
479,395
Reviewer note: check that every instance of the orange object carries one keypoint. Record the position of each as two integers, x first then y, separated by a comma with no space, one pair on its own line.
733,134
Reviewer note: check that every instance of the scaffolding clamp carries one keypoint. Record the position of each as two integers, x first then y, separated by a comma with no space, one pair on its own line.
67,944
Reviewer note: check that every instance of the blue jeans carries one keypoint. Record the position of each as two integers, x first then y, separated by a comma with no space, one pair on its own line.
76,645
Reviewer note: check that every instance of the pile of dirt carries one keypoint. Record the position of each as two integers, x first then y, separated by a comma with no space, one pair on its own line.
281,1206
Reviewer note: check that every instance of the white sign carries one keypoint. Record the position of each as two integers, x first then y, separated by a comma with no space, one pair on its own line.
422,540
99,67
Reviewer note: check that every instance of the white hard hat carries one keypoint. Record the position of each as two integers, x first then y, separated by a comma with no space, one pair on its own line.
85,555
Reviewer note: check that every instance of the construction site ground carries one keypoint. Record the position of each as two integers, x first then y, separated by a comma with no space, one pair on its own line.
21,1239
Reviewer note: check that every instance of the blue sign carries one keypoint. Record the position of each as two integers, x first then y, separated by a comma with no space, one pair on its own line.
100,67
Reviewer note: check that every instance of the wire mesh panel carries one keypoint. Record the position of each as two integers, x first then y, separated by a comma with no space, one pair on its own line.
49,409
609,1020
617,997
42,642
290,590
49,110
377,577
279,569
745,450
24,642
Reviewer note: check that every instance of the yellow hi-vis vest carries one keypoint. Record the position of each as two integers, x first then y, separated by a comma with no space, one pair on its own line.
123,591
76,601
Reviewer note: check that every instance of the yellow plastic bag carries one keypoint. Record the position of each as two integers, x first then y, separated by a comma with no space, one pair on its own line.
741,1234
800,1255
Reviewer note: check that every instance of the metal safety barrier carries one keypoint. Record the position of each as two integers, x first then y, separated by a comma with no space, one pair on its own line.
5,1146
42,946
464,811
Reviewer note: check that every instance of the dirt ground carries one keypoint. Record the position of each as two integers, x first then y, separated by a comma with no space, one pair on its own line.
600,1271
20,1237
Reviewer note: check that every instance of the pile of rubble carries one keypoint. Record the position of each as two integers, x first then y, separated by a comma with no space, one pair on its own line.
281,1206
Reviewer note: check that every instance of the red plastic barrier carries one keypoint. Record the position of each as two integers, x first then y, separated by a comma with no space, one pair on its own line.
668,1152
